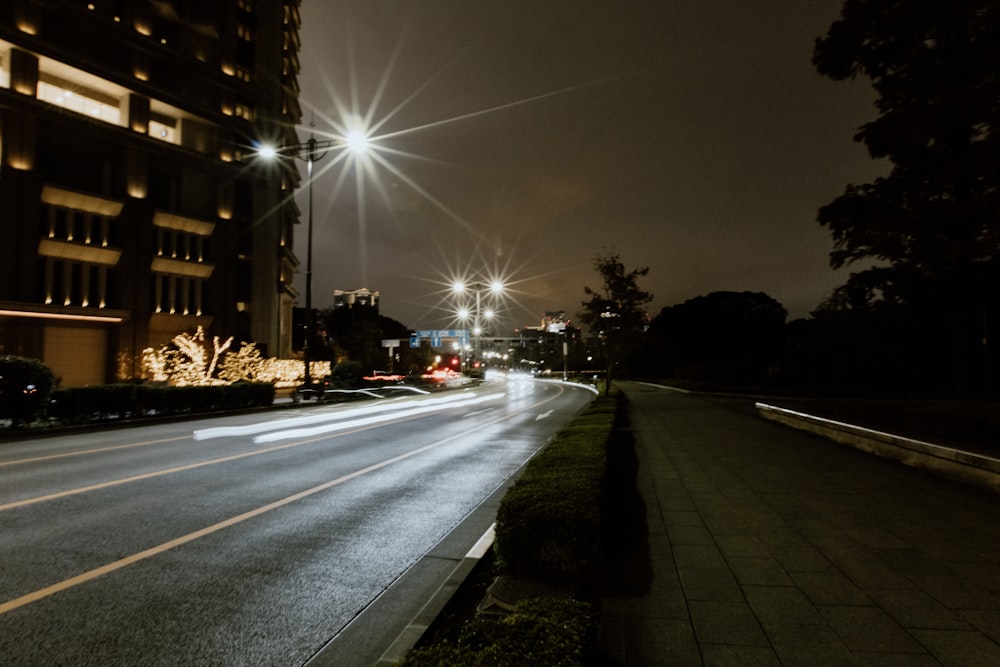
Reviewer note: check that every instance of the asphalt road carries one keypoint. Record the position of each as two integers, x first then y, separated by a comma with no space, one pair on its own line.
253,539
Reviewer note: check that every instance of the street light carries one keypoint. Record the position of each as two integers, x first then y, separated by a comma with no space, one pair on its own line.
496,288
313,151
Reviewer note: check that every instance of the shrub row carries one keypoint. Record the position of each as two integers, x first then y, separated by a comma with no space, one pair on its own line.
549,523
77,405
548,528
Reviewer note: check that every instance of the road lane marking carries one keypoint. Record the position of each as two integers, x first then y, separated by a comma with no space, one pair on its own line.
544,415
352,426
90,575
160,473
99,450
214,528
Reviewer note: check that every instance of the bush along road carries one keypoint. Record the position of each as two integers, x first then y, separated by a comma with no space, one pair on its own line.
559,529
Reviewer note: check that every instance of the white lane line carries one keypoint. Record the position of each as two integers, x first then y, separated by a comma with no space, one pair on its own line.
352,426
98,450
190,537
214,528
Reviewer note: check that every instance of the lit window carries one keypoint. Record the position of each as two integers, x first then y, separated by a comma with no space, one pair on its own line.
79,101
244,111
162,131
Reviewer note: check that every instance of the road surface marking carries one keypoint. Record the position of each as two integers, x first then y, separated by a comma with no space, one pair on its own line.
190,537
91,451
90,575
352,426
544,415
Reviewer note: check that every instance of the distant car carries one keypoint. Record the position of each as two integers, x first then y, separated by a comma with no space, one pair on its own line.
384,376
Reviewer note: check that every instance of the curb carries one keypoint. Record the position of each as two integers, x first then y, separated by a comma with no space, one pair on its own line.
416,628
961,466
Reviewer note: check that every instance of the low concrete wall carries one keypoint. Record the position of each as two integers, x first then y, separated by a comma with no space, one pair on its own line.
962,466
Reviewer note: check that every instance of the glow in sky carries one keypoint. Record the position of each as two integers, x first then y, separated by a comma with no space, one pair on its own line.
517,140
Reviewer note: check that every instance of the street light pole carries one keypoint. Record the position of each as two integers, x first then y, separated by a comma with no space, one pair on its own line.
311,158
497,288
477,323
312,151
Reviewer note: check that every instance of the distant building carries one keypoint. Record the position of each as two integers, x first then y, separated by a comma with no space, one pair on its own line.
358,297
130,207
555,321
553,345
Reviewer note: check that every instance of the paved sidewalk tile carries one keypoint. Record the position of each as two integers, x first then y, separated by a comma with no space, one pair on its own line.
713,585
773,547
808,645
725,623
869,629
916,609
955,647
775,604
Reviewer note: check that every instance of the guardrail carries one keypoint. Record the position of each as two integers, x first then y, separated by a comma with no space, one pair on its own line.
962,466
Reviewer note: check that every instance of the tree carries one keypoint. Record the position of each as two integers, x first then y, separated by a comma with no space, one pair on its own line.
932,225
615,311
356,334
730,337
25,385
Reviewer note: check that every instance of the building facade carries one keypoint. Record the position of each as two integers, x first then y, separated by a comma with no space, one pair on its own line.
131,206
358,297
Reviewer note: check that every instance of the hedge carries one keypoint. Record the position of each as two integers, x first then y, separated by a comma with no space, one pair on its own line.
549,523
548,528
78,405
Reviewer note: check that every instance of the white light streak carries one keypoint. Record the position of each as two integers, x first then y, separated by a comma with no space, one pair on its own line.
344,419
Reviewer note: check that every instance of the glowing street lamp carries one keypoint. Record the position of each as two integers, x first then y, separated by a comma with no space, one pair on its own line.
496,288
311,152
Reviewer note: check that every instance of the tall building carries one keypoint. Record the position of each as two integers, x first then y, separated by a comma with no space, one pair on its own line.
131,208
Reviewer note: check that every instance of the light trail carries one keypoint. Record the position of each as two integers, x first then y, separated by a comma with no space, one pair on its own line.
349,426
366,421
430,404
214,528
121,563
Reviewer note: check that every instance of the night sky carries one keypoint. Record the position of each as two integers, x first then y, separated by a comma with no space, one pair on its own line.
521,138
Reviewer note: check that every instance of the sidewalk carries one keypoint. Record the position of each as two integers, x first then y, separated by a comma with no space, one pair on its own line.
768,546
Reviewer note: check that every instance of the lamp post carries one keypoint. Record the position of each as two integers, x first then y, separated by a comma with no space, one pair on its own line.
496,288
311,152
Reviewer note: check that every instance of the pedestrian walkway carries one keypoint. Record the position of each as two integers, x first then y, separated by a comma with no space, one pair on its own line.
768,546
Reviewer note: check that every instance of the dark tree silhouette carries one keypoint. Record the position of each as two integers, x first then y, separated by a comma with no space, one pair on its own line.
356,334
615,311
932,225
730,337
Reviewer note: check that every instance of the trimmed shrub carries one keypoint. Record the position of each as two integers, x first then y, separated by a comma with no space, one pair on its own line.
25,385
77,405
549,523
347,375
120,401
